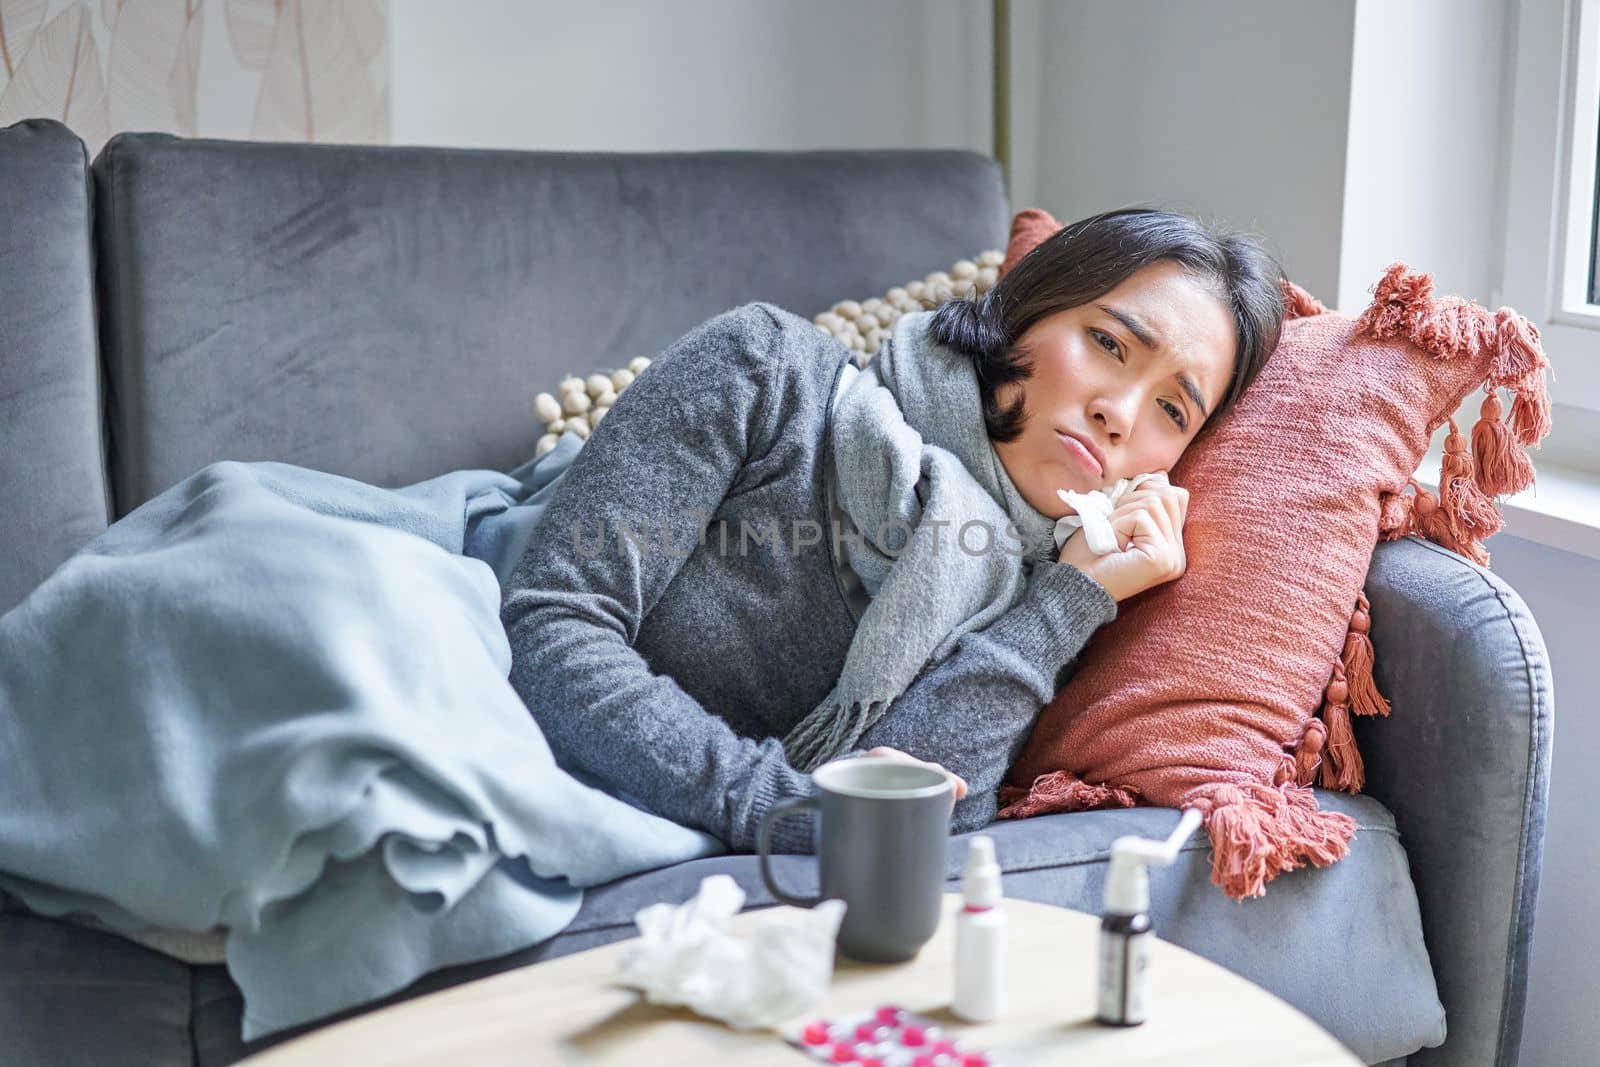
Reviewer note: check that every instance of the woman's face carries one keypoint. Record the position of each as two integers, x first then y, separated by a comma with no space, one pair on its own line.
1111,373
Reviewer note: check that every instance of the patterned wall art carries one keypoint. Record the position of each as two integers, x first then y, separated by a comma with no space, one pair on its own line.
272,70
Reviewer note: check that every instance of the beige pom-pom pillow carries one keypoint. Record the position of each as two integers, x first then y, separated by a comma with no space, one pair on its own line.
579,403
864,325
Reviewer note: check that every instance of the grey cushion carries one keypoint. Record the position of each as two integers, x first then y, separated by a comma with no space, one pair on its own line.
1464,764
389,313
52,478
1343,944
80,997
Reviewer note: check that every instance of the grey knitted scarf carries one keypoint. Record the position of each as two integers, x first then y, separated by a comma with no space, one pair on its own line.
914,467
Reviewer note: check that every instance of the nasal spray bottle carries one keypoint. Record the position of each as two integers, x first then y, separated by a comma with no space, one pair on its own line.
1125,926
980,937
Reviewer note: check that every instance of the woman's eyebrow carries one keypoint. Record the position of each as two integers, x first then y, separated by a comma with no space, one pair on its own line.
1148,338
1138,329
1194,393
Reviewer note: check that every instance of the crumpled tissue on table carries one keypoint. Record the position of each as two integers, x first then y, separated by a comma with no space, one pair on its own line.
1093,511
686,955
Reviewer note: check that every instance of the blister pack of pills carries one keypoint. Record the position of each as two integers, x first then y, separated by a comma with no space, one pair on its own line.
888,1036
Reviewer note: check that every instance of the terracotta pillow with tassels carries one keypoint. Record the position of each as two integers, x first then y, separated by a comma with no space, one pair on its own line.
1231,688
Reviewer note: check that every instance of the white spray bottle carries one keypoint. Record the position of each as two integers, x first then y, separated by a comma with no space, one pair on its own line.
1125,924
980,937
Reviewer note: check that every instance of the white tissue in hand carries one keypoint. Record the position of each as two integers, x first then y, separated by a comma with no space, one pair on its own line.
1094,509
685,955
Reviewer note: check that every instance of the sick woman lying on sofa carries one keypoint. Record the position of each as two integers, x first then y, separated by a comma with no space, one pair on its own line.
765,557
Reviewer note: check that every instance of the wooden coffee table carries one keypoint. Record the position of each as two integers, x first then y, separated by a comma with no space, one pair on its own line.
572,1011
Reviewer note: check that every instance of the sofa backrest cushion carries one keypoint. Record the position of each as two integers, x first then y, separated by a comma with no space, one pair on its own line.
52,476
390,313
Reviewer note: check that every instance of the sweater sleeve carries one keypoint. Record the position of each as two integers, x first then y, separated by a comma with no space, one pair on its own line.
635,500
973,710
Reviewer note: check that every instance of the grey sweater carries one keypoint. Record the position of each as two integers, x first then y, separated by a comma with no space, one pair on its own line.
681,608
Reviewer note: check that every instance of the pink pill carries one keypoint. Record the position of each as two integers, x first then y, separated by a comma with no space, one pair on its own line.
872,1061
974,1059
912,1036
944,1048
843,1053
815,1033
867,1032
888,1015
923,1061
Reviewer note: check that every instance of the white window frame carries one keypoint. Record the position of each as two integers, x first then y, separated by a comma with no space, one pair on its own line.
1550,189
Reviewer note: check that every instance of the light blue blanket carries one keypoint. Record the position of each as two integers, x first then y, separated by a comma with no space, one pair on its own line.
277,700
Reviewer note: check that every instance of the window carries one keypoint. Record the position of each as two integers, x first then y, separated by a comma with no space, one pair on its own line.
1594,237
1551,271
1578,288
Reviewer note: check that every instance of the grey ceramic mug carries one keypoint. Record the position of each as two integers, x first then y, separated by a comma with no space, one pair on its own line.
882,829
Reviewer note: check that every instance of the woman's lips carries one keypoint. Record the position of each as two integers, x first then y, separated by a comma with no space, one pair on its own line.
1081,454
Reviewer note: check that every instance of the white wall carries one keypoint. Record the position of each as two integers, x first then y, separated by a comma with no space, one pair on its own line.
1425,171
1232,109
640,75
1111,103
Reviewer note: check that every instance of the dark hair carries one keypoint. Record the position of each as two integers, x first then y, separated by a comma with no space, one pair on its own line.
1088,259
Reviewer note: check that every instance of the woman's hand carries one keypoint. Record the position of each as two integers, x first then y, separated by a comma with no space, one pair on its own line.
895,753
1148,523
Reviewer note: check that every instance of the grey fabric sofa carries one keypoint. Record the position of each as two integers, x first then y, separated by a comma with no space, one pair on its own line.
388,314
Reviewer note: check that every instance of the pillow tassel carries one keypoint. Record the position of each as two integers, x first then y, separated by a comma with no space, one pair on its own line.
1358,659
1394,514
1400,300
1517,351
1308,753
1244,855
1341,763
1530,409
1503,465
1519,363
1297,303
1453,328
1062,791
1258,832
1472,515
1428,520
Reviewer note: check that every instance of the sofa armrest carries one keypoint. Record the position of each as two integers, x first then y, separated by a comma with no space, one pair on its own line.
1463,762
